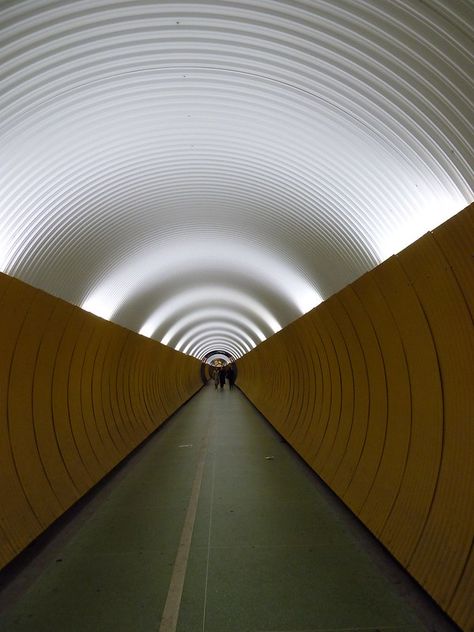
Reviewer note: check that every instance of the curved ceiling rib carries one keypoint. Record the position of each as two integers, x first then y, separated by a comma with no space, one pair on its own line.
212,327
204,173
218,340
175,337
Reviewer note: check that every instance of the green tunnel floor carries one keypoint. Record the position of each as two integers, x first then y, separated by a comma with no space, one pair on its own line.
271,549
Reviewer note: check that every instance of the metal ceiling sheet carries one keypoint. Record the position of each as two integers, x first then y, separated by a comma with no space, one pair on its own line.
204,173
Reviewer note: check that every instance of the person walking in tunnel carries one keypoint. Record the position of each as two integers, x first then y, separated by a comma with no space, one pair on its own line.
216,377
222,377
230,376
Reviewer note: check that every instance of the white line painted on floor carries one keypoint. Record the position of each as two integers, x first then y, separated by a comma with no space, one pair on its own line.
211,509
169,619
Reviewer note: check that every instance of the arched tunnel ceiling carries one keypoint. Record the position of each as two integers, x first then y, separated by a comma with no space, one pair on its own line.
204,173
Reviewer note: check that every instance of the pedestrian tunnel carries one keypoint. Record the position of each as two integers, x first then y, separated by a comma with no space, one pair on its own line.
285,186
369,399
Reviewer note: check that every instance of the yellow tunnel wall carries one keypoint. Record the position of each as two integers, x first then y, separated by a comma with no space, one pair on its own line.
77,395
374,388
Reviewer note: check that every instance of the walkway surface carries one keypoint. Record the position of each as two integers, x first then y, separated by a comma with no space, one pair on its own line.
214,525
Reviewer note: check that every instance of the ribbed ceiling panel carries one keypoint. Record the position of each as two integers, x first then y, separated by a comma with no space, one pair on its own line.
204,173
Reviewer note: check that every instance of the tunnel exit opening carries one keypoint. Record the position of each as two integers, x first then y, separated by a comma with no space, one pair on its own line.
216,358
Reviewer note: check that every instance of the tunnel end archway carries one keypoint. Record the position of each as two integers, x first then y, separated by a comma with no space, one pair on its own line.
217,357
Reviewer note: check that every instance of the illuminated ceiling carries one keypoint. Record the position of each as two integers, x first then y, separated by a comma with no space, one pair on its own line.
204,173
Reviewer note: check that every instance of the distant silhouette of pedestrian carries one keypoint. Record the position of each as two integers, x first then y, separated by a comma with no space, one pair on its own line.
216,378
222,377
230,376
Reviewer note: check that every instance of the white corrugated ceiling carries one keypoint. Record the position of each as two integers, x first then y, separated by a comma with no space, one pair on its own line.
206,172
